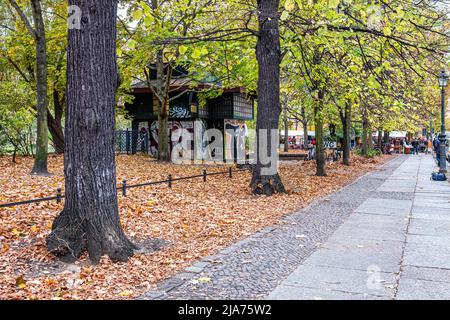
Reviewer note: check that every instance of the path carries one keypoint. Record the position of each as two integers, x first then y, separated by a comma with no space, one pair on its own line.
372,239
387,249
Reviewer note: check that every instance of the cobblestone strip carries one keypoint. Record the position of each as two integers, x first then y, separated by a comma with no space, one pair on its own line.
253,267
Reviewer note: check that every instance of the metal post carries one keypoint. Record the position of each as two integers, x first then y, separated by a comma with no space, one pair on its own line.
442,137
124,188
230,172
127,140
169,180
204,175
58,195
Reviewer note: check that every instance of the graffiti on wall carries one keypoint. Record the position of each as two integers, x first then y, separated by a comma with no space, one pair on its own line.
179,112
177,131
235,133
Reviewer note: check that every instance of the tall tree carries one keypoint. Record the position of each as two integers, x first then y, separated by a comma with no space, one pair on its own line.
19,54
90,219
151,51
268,54
38,34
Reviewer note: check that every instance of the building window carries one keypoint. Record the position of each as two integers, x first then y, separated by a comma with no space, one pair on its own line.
243,108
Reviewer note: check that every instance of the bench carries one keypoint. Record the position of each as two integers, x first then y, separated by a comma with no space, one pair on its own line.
293,156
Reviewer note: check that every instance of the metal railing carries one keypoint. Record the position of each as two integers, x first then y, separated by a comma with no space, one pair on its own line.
124,186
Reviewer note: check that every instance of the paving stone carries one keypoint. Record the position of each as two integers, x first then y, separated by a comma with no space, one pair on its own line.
354,260
431,258
428,239
371,282
430,227
431,214
428,274
385,206
364,245
413,289
286,292
371,234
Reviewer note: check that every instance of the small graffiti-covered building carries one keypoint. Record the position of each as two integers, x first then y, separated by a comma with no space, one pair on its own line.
226,112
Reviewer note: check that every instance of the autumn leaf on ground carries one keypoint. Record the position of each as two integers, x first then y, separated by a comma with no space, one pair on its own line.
194,219
21,283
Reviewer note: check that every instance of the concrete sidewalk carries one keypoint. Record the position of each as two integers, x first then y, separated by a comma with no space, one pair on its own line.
387,248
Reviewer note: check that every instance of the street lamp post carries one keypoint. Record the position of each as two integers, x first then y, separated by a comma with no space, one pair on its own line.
443,81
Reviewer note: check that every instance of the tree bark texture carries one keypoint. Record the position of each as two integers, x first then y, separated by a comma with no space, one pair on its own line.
90,218
305,129
268,54
365,145
55,122
369,136
40,160
163,82
380,138
346,116
386,136
163,133
320,149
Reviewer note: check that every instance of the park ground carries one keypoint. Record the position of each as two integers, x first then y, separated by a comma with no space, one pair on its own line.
177,227
384,236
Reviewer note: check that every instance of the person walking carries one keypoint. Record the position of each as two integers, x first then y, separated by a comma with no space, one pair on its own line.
429,146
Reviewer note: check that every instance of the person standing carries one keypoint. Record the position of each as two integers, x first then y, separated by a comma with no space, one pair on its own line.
415,145
429,146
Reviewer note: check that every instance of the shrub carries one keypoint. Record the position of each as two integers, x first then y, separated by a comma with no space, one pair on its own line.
371,153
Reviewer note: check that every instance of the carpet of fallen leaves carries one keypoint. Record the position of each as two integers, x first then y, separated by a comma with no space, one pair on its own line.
196,218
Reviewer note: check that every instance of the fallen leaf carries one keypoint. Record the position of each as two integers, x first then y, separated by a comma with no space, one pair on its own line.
21,283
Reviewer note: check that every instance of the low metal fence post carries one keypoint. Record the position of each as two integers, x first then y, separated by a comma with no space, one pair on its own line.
230,172
124,188
58,195
204,175
169,180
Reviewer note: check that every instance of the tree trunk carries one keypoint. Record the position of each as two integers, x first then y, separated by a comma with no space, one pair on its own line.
364,136
14,155
305,134
386,136
332,128
268,54
305,129
163,133
57,133
320,149
55,123
369,136
346,125
40,160
90,218
163,83
380,138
